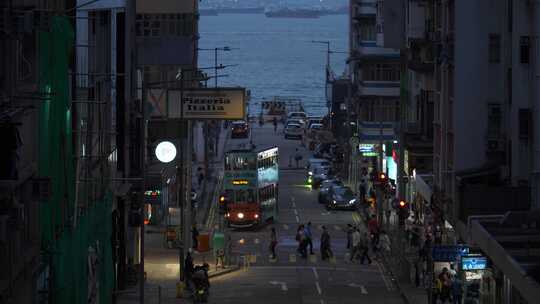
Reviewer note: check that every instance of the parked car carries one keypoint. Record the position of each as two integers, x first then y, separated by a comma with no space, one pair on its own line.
317,162
293,130
302,116
317,175
342,198
326,188
314,120
315,127
296,121
240,129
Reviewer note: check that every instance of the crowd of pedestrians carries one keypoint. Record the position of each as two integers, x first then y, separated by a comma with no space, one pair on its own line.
448,287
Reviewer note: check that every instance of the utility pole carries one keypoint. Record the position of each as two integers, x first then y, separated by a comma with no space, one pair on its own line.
181,195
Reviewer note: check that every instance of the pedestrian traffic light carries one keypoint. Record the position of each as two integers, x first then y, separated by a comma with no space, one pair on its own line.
403,211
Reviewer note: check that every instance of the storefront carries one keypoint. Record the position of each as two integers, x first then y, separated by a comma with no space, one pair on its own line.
479,284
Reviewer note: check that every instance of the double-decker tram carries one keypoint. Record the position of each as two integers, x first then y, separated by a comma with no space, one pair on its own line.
250,187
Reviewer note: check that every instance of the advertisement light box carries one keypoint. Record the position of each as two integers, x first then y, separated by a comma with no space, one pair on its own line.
473,262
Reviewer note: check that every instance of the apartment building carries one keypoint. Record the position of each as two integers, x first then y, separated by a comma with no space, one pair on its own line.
375,72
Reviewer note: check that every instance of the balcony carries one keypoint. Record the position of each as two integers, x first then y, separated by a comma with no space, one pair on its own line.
379,88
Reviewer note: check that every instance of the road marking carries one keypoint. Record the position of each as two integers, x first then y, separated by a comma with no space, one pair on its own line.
294,204
297,219
336,227
385,279
318,287
297,267
362,287
363,290
256,241
295,212
285,226
319,227
313,258
326,213
315,273
322,301
283,284
292,258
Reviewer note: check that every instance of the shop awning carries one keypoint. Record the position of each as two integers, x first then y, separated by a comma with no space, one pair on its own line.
514,246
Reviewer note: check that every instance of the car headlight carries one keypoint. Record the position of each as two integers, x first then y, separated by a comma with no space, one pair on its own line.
256,216
240,215
310,173
334,202
227,215
352,201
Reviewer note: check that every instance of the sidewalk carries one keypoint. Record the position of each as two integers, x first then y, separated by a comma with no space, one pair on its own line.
161,262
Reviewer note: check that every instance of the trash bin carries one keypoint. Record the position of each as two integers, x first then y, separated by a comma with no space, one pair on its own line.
203,242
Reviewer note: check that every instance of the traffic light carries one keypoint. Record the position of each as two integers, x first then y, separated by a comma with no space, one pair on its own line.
403,211
222,202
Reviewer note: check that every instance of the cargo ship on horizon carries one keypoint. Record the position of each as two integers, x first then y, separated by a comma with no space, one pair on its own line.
292,13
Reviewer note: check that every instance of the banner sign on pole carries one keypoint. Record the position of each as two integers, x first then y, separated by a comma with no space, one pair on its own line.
449,253
207,103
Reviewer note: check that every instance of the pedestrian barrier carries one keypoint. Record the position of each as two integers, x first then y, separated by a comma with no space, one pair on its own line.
203,241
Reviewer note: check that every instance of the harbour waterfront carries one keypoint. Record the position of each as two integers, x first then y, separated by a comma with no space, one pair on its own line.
275,56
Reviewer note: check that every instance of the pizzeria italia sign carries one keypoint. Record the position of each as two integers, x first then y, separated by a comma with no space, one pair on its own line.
207,103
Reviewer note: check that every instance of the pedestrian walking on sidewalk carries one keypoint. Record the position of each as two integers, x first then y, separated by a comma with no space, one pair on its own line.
350,231
384,242
297,158
194,237
273,243
301,238
200,177
364,248
457,291
326,249
309,237
275,124
188,269
355,248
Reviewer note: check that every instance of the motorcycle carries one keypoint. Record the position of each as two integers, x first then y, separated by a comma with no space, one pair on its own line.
201,284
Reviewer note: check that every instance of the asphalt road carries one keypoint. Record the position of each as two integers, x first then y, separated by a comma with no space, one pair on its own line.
292,279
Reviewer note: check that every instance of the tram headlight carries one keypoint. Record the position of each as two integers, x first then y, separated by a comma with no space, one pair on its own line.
240,215
256,216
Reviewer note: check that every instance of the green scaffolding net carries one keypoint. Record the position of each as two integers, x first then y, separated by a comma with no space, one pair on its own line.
80,257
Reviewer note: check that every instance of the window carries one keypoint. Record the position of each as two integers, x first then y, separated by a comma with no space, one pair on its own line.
165,25
366,28
524,49
524,123
494,48
380,72
494,120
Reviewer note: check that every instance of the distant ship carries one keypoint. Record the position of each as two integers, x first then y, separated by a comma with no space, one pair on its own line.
292,13
208,12
240,10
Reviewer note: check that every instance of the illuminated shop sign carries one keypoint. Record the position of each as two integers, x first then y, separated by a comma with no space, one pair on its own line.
473,262
240,182
365,148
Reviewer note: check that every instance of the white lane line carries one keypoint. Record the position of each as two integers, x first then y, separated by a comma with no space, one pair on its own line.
297,219
315,273
318,288
363,290
384,278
